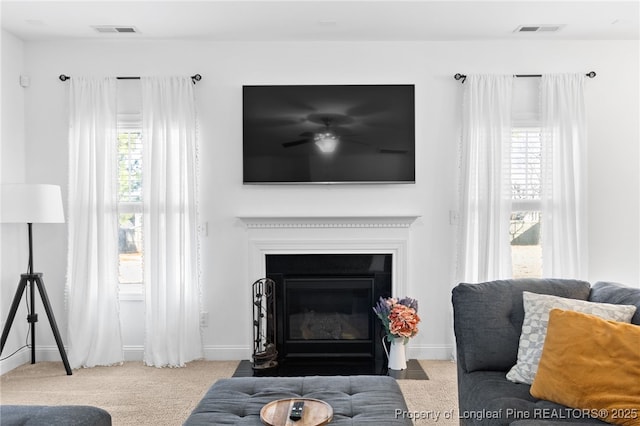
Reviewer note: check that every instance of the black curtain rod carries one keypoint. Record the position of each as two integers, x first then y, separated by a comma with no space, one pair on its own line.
194,78
590,74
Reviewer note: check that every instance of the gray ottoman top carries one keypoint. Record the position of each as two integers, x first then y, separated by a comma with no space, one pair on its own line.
41,415
356,400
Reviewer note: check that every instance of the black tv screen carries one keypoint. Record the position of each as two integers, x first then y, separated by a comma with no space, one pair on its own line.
329,134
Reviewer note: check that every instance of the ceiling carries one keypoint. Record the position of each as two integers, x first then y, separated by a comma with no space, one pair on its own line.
322,20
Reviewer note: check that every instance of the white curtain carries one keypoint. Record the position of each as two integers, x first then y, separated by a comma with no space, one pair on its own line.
564,204
92,283
485,206
170,189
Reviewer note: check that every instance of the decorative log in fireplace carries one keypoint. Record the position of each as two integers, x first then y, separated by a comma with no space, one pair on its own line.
327,316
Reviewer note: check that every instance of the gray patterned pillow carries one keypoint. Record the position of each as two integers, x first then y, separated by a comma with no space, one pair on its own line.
534,327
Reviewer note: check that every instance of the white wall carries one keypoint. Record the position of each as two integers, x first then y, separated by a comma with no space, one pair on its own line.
225,67
13,237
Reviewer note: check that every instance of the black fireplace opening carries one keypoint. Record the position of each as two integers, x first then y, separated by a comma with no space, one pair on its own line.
324,306
328,316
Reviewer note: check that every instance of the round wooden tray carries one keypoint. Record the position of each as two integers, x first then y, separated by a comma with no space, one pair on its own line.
314,413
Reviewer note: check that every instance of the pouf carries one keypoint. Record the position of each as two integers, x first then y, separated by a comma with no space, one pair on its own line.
67,415
356,400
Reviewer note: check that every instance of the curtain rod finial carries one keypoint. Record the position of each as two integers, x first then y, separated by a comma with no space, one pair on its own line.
459,77
63,77
591,74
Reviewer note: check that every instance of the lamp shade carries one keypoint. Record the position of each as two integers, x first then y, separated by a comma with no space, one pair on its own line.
30,203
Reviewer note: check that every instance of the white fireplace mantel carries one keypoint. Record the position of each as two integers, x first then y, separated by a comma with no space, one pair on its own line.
330,234
263,222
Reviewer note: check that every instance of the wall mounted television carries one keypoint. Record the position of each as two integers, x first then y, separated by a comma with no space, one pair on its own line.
322,134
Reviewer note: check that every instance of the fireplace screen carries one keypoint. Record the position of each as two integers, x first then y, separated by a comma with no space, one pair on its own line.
328,308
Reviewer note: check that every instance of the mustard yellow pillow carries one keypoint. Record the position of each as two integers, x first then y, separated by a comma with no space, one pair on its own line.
591,364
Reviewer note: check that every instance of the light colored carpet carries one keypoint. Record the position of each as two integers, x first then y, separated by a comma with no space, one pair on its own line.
138,395
433,401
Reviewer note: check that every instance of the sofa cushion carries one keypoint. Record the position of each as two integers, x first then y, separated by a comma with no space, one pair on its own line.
490,399
488,318
591,364
534,327
608,292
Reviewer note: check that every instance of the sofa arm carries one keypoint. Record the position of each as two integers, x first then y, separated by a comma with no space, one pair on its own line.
619,294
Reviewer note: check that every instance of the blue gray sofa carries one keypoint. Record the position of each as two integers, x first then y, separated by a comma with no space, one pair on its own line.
488,321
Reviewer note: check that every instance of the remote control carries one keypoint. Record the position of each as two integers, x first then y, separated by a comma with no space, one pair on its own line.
296,410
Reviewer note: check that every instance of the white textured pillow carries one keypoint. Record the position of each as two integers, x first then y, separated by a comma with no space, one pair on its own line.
534,327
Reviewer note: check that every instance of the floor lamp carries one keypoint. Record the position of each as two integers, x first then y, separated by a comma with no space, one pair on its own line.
28,203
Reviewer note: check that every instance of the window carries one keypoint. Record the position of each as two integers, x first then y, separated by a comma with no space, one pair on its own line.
526,182
130,205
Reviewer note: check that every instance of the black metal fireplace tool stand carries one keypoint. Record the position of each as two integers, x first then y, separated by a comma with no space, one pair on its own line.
265,354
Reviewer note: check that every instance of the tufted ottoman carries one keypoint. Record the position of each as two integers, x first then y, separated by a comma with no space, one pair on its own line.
356,400
41,415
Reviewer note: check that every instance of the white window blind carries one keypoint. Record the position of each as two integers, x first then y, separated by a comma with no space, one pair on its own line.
526,153
129,166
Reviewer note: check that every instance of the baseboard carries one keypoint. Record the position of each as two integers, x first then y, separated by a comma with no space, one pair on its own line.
44,353
21,357
133,352
440,352
51,354
211,353
226,352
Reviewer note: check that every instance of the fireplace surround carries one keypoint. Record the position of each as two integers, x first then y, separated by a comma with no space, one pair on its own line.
269,237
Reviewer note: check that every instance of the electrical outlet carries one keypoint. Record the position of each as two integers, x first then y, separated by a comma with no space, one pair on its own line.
204,319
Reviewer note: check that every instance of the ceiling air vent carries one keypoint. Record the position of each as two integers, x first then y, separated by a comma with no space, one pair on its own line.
114,29
538,28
